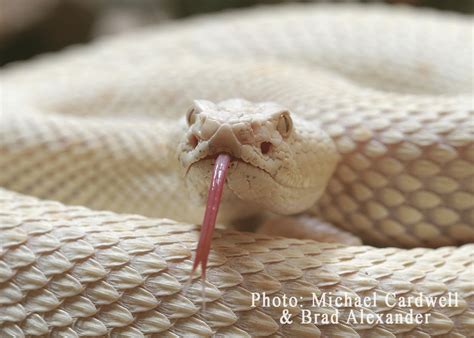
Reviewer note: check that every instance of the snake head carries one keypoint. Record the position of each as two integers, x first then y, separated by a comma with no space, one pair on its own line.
279,162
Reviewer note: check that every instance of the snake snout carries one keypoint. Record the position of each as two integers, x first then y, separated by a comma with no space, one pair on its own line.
224,141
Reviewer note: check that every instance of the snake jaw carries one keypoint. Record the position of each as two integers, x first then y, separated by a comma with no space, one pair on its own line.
216,188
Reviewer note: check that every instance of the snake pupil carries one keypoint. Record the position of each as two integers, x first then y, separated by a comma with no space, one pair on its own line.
265,147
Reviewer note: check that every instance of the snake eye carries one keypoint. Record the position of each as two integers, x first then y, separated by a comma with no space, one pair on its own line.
191,116
285,124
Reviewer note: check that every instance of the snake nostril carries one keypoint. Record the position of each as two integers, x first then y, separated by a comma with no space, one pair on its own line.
193,141
265,147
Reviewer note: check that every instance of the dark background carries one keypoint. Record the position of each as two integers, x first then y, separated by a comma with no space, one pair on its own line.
31,27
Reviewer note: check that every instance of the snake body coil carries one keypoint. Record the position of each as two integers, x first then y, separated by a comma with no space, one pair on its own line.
98,127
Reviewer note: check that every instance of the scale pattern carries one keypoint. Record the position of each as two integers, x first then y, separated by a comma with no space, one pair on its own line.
70,271
407,177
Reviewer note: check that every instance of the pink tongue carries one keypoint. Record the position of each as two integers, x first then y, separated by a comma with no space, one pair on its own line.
213,201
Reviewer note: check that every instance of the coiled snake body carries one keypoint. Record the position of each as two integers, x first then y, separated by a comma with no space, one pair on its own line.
99,127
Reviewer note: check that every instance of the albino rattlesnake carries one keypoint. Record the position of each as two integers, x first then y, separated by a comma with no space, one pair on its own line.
96,126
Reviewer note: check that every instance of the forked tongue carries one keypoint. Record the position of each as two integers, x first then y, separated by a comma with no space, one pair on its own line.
213,201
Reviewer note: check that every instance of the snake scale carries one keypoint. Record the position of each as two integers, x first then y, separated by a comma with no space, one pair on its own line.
89,170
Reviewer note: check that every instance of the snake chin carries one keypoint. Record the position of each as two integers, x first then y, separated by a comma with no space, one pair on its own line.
248,189
197,180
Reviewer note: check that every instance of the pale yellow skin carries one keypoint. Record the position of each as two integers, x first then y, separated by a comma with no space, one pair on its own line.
398,117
